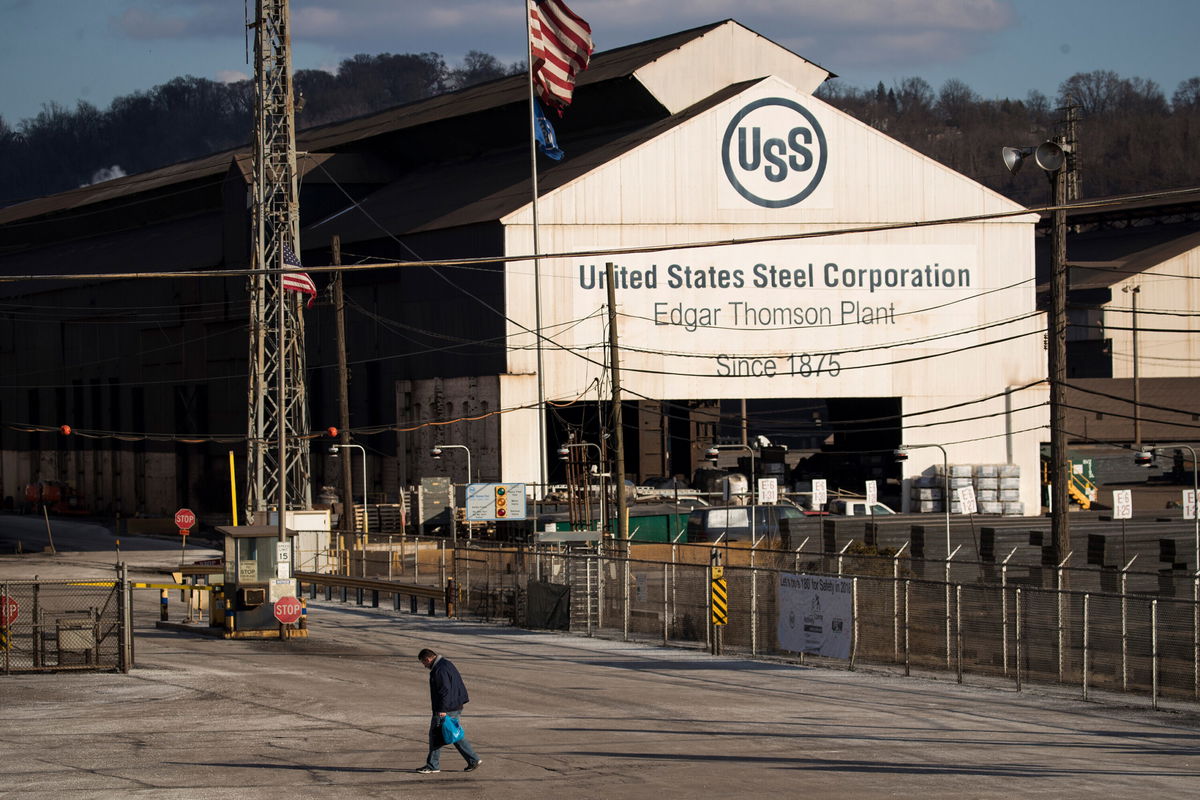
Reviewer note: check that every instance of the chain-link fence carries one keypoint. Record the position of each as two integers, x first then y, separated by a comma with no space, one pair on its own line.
905,614
53,626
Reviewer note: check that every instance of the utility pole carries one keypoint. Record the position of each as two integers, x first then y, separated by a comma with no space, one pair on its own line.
347,522
1060,466
1133,291
618,432
277,456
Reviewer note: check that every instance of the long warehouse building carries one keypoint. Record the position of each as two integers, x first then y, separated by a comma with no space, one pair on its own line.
839,327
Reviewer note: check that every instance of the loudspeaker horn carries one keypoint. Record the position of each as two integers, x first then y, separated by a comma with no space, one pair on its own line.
1050,156
1014,157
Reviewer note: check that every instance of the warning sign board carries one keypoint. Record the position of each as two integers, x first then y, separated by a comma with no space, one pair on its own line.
491,502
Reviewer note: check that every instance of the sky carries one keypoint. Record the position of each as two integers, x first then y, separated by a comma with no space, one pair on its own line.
65,51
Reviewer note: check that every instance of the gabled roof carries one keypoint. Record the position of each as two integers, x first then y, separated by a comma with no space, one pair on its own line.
488,188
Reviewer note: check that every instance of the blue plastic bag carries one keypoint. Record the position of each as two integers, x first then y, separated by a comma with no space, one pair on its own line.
451,729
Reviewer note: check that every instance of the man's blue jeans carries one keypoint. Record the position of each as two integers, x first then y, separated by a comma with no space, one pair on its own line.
436,743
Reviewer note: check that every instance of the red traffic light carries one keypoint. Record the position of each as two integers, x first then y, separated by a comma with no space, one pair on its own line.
331,432
65,430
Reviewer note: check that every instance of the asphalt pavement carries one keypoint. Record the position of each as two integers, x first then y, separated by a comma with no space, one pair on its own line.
344,713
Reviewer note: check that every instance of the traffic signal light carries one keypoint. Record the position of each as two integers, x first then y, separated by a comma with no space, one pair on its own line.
501,501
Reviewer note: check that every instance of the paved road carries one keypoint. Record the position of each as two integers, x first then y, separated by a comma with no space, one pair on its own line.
343,715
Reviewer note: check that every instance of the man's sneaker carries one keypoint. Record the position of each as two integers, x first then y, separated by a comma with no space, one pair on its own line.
474,765
428,771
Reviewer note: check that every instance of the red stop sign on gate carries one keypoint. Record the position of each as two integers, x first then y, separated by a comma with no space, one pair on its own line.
287,610
8,610
185,519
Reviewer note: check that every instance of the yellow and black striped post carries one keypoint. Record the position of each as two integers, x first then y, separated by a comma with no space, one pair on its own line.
720,596
718,599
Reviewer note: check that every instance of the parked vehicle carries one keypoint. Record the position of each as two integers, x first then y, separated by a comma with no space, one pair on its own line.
771,525
858,508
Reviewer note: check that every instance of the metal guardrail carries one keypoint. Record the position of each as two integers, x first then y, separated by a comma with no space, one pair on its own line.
377,588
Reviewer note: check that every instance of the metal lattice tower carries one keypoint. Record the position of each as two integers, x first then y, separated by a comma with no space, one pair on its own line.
276,393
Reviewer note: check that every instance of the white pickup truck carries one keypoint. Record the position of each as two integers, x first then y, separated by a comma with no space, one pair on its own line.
858,508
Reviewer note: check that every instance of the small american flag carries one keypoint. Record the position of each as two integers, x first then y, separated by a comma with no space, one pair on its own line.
561,46
297,281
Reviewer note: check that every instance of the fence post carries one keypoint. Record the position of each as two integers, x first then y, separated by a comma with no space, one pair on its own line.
601,583
1086,601
753,610
907,664
1004,610
1154,652
896,602
1061,635
4,590
626,572
126,610
674,579
853,616
708,626
958,636
1125,626
1017,611
666,606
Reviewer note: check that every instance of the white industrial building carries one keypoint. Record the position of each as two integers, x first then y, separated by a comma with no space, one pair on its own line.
940,316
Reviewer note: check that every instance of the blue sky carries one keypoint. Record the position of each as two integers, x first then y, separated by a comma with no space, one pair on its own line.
63,51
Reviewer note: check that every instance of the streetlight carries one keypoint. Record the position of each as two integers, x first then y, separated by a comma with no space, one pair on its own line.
1145,458
565,451
436,452
333,450
715,451
901,454
1051,156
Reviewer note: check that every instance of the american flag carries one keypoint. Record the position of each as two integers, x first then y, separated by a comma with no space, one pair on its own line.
297,281
561,46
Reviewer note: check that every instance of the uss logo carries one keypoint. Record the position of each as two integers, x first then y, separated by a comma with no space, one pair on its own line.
774,152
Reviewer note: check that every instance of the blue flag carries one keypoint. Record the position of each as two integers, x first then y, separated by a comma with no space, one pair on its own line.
543,131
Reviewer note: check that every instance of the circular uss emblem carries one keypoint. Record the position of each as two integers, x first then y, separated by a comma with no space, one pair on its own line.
774,152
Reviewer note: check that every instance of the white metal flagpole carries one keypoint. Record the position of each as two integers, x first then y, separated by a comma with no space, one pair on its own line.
537,277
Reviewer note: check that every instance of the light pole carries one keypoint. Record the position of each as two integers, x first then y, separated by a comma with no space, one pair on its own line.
333,450
436,452
1051,156
715,451
565,450
901,454
1145,458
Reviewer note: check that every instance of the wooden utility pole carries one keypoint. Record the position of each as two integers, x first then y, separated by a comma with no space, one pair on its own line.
346,523
618,432
1060,464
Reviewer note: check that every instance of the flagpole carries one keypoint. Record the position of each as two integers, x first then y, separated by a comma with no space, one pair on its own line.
537,277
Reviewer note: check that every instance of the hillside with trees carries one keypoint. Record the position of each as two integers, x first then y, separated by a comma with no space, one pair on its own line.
1132,137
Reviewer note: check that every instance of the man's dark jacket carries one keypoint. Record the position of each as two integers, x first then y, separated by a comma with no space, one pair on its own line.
447,692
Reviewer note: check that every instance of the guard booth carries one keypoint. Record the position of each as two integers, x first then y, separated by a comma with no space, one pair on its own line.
258,572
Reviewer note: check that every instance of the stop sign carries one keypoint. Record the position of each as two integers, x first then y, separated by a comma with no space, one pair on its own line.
185,519
8,610
287,610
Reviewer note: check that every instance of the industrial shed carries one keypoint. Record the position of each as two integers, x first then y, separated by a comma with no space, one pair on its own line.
918,335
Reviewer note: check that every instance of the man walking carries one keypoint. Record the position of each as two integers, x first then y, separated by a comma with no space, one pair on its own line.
447,696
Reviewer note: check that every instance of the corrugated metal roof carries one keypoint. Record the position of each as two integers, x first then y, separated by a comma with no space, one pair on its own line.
486,189
1101,409
606,66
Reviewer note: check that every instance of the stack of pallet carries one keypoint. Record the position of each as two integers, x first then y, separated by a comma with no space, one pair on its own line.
997,489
